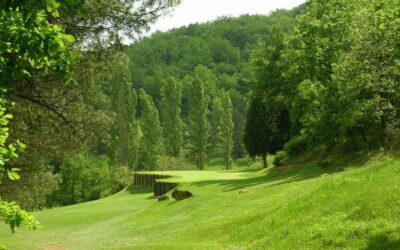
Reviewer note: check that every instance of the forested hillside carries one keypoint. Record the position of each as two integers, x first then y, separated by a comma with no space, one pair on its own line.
223,46
218,53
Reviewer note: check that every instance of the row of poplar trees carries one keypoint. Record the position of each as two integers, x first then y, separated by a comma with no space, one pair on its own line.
142,142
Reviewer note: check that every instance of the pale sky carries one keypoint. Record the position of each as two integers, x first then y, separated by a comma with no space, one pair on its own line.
198,11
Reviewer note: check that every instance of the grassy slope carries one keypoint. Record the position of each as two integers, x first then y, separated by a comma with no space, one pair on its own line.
288,208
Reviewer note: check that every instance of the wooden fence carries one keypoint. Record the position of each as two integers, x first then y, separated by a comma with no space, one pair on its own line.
152,180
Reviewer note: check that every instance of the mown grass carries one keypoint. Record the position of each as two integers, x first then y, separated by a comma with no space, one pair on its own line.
284,208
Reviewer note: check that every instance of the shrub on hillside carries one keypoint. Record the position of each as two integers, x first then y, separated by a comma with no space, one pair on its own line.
392,133
120,178
296,146
166,163
279,159
83,178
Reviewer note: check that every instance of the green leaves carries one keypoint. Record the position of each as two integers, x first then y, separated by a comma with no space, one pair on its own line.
52,8
10,213
14,216
34,46
7,151
13,174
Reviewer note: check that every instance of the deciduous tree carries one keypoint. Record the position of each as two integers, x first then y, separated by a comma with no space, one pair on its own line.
226,126
151,147
198,123
171,95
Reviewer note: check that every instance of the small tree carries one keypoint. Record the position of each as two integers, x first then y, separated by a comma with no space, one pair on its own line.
171,94
151,142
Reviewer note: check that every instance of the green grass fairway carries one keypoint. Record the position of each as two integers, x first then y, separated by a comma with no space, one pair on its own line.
286,208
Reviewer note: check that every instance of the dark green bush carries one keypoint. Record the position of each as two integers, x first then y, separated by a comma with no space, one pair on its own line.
279,159
120,178
296,146
83,178
392,134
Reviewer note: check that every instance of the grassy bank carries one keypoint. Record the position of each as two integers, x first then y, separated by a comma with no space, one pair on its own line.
284,208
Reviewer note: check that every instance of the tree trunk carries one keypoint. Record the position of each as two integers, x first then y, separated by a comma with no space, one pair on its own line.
264,160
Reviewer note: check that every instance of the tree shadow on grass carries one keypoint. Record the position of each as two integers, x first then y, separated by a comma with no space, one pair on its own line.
237,184
382,241
274,176
173,201
139,190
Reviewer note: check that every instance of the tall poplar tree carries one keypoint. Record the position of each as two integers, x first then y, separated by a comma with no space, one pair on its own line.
127,125
171,95
151,142
124,103
198,122
226,126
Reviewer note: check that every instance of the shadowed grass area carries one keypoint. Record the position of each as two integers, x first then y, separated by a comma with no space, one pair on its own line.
283,208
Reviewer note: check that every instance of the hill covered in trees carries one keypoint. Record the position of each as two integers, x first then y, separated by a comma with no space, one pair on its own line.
218,54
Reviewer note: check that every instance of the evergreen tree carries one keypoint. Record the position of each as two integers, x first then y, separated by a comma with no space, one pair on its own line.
267,126
198,122
256,134
151,142
171,94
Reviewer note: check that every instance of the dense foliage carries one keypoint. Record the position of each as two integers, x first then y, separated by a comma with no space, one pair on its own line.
336,74
71,113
